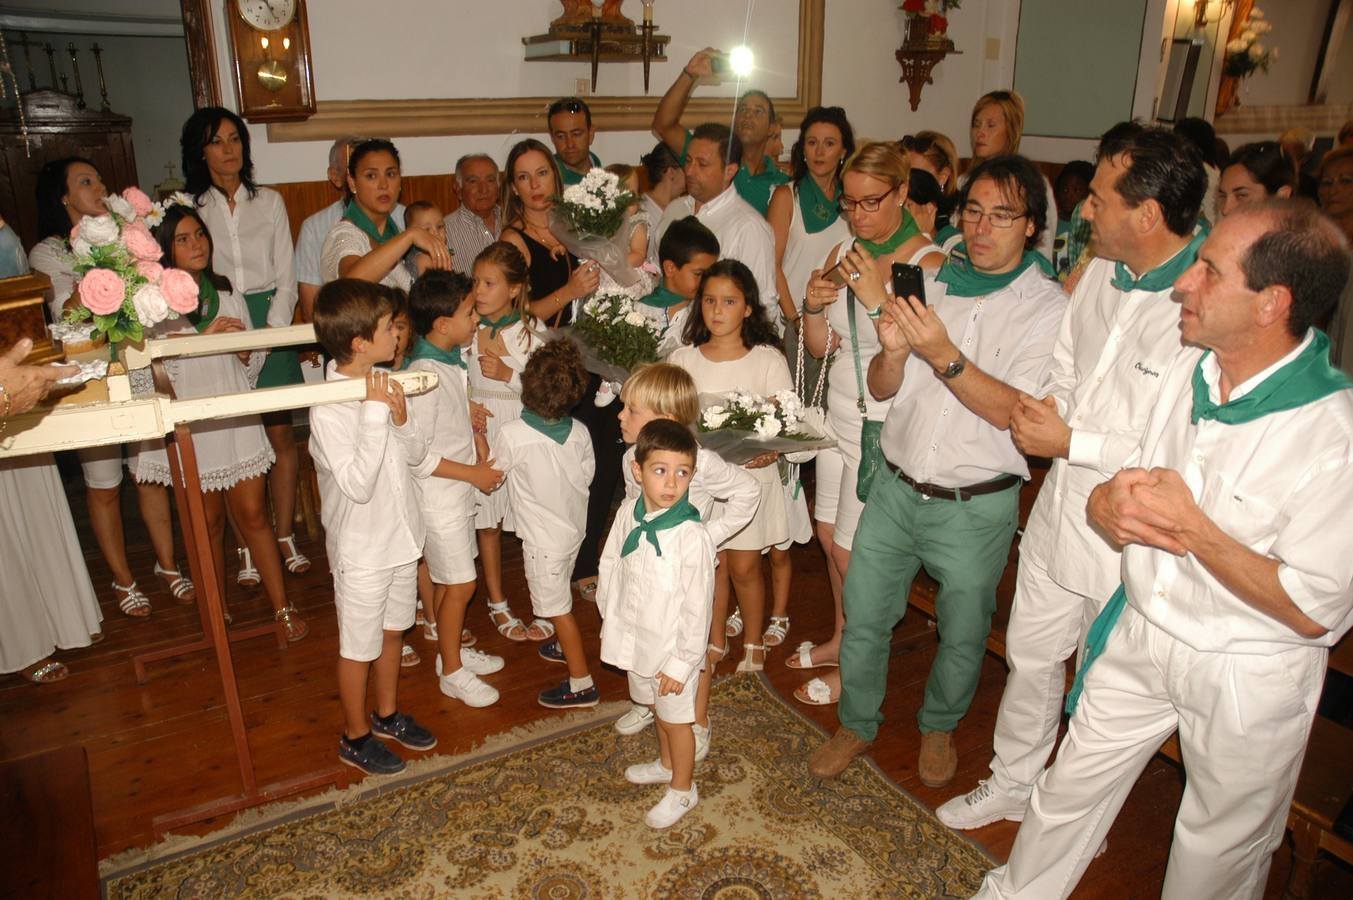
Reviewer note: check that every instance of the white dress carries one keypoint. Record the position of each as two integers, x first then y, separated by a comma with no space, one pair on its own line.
228,450
346,239
805,252
47,601
503,400
762,371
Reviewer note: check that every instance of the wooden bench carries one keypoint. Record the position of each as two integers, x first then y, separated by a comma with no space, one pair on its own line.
47,846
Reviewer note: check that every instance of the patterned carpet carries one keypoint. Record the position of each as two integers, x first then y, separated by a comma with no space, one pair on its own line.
554,818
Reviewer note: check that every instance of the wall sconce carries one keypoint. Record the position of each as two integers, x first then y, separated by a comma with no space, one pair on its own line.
1200,17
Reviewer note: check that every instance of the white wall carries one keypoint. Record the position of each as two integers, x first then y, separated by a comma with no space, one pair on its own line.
1297,26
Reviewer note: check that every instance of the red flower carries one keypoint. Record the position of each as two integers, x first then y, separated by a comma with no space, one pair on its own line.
913,6
938,24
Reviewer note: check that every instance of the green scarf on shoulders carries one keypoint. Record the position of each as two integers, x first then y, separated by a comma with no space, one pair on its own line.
963,280
556,430
678,512
357,216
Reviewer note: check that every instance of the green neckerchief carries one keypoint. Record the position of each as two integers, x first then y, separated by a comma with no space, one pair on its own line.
496,325
1162,276
963,280
572,176
357,216
944,234
1304,380
1096,639
905,232
664,298
556,430
425,349
208,303
672,516
818,210
756,189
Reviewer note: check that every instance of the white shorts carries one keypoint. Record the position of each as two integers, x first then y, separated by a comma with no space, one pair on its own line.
547,578
450,547
675,709
835,501
102,466
371,602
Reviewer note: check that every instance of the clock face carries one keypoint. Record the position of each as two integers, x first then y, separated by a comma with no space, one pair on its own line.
267,15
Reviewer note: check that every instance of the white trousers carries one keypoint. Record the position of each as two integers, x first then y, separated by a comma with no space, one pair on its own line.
1243,721
1048,624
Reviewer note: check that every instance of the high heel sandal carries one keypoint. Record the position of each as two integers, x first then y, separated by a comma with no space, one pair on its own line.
295,625
297,563
777,631
180,586
248,575
747,664
718,653
133,603
732,626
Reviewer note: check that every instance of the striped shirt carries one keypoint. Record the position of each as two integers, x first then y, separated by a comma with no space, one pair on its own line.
467,235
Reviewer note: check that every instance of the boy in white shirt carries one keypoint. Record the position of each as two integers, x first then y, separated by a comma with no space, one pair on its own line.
365,456
655,593
547,459
442,309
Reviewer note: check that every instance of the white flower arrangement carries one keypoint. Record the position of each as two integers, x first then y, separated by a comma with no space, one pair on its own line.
740,426
157,211
595,206
616,333
1245,55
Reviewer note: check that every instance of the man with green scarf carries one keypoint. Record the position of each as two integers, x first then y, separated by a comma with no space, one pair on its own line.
1236,573
1121,331
947,496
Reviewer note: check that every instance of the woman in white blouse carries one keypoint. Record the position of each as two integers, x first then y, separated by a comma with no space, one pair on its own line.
68,190
253,249
367,243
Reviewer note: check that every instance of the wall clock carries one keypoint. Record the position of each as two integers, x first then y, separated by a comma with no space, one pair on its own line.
270,54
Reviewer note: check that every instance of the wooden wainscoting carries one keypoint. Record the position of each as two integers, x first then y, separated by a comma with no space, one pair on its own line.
305,198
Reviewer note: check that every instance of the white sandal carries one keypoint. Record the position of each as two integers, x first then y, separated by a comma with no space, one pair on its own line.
297,563
746,664
133,603
776,632
732,626
180,586
408,657
803,659
248,576
510,622
546,628
815,692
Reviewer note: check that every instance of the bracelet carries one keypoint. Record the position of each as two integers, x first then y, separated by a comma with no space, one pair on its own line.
875,312
809,311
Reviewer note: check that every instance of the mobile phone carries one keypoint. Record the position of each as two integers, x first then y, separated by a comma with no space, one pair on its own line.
718,63
837,275
908,281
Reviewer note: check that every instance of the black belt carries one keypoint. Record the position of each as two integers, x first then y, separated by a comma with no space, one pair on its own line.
947,493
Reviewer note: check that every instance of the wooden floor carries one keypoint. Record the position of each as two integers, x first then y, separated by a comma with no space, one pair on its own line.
165,746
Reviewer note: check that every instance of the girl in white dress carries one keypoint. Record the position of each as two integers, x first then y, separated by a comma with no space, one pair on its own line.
233,455
506,338
732,346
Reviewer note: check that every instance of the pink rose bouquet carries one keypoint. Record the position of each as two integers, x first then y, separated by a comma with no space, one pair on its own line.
180,290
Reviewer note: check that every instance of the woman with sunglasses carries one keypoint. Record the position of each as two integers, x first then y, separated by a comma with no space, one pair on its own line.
874,191
995,130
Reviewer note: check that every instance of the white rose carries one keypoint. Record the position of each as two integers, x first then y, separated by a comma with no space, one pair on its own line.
1235,46
767,427
1257,52
119,207
1248,36
715,420
1256,13
1260,27
99,230
150,305
80,247
635,318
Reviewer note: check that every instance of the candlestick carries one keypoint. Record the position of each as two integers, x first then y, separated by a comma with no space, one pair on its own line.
98,66
75,67
25,43
51,60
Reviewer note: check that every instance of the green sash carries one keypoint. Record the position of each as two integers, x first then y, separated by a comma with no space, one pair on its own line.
1163,275
283,365
678,512
818,211
663,298
905,232
963,280
208,304
1095,642
357,216
496,325
556,430
1304,380
425,349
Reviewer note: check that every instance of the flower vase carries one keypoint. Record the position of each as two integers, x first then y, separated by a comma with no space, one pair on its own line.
918,30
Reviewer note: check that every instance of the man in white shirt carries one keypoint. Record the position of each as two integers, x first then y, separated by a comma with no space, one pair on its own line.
1236,573
713,156
947,495
476,222
1120,333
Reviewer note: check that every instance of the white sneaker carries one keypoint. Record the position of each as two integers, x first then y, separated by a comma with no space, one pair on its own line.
649,773
635,720
983,805
672,806
477,661
701,741
467,687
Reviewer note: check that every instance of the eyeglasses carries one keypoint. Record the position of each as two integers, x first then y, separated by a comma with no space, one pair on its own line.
868,204
999,218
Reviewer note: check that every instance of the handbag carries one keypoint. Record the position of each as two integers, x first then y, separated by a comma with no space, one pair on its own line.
871,430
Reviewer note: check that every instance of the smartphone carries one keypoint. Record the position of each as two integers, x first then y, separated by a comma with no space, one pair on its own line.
837,276
718,62
908,281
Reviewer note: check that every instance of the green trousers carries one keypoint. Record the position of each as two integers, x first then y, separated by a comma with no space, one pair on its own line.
965,546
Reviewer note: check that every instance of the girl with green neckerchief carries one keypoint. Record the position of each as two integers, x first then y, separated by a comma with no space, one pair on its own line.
840,321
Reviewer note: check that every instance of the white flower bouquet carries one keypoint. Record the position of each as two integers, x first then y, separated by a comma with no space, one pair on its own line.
740,426
122,286
614,336
1245,55
591,220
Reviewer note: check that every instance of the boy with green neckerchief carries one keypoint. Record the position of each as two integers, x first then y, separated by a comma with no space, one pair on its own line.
686,250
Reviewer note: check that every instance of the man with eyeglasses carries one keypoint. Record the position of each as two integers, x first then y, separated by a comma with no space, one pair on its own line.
570,124
1120,333
757,175
947,493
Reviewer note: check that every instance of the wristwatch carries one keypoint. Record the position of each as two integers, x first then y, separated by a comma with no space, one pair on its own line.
954,369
